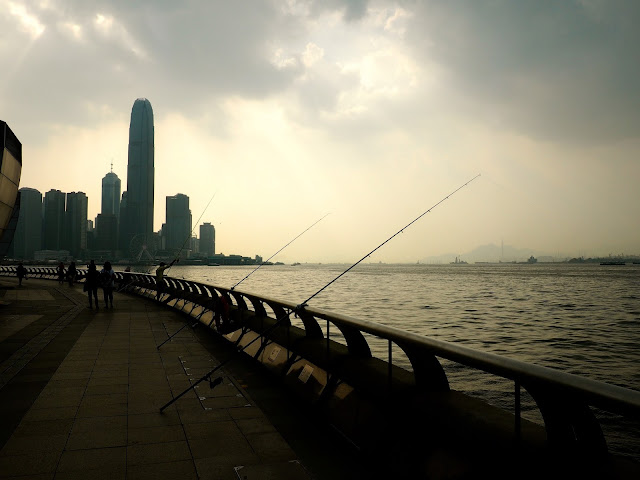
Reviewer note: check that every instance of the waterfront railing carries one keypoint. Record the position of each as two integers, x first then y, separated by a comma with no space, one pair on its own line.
306,354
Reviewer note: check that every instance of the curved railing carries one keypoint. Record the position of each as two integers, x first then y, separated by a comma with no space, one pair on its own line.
329,371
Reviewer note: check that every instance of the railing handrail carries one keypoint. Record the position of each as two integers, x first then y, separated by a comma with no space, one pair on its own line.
596,393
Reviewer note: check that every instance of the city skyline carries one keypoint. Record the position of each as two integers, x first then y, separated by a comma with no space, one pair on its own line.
372,111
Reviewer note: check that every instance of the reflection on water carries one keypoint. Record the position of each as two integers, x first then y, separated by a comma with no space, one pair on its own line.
582,319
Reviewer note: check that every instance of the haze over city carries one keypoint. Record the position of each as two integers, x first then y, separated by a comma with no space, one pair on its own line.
372,111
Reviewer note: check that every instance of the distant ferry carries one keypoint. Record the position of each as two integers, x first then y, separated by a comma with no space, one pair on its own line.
295,264
612,263
458,262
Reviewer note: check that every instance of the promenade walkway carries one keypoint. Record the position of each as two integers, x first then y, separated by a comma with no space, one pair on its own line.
81,390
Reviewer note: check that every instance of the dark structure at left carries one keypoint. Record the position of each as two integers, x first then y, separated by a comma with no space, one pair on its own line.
10,171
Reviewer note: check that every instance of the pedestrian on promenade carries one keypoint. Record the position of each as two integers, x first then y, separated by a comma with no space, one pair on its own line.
60,273
72,273
91,284
21,272
160,277
106,280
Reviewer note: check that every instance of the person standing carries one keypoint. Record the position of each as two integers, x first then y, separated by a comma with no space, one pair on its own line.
71,273
106,279
91,284
21,273
60,273
160,277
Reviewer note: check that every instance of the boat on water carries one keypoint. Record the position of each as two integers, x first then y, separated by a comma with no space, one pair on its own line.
295,264
458,262
612,263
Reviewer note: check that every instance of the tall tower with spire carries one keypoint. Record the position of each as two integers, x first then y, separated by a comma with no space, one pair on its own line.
111,186
137,217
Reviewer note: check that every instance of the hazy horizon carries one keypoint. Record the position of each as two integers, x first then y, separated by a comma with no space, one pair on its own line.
372,111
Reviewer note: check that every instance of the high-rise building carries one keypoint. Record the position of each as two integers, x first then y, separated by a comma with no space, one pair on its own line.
111,194
76,223
54,201
28,237
207,239
178,226
106,232
138,218
10,172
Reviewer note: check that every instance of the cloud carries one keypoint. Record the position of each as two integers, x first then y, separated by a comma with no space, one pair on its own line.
559,71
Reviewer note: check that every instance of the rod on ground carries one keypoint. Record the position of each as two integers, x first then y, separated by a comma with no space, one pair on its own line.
301,306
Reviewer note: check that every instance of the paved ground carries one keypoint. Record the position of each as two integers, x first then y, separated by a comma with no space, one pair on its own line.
81,389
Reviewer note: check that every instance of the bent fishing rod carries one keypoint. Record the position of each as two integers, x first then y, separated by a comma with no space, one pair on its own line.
267,260
301,306
252,272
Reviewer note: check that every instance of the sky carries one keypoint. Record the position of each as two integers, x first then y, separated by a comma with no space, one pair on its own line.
369,111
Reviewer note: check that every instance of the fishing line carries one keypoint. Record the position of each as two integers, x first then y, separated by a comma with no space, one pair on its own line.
303,304
267,260
300,307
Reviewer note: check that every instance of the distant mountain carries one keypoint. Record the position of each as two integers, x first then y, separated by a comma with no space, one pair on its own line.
488,253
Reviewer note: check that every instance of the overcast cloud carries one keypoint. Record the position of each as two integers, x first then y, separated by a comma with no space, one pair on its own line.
371,109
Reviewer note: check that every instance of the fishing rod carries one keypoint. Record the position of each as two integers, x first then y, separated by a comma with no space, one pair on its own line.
252,272
267,260
300,307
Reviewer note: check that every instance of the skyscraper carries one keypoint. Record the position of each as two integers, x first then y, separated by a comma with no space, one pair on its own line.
138,217
207,239
54,201
111,194
76,223
28,237
10,172
178,226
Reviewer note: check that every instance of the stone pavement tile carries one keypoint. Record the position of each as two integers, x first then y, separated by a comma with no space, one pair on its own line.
110,371
70,375
225,402
107,459
222,468
250,426
217,439
40,414
161,434
146,404
106,389
76,382
102,410
182,470
246,412
146,454
42,476
98,432
25,445
168,417
28,428
271,446
92,475
113,380
32,463
195,414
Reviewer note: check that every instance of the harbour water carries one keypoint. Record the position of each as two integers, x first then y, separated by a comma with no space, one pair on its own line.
577,318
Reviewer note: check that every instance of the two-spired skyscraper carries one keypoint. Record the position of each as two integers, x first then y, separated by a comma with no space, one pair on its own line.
136,214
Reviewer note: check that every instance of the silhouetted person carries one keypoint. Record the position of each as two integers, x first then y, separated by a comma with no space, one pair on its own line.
60,273
106,280
71,273
21,273
91,283
160,277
